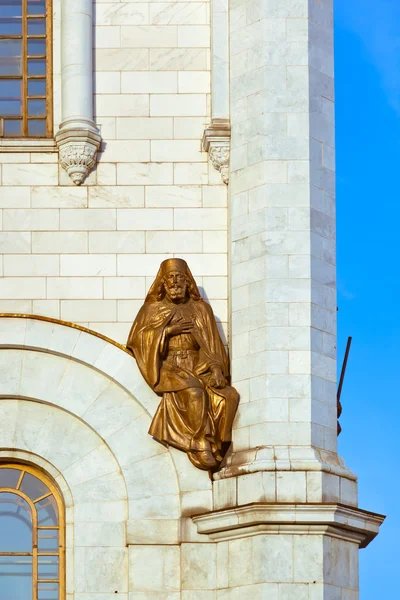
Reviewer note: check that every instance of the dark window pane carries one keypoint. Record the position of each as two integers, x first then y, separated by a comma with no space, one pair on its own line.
10,102
11,8
48,540
9,477
10,57
36,47
47,591
15,524
37,87
31,485
36,67
47,508
36,26
48,567
38,128
10,108
10,89
36,108
13,128
10,26
15,577
36,7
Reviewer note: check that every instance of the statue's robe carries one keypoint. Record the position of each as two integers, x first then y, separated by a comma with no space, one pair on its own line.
192,415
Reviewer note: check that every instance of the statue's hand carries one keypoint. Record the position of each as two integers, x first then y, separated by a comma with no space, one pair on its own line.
181,325
217,379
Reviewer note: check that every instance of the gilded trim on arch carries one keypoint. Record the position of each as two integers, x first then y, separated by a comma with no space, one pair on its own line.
66,324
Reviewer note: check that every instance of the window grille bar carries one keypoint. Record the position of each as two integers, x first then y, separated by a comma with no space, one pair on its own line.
24,67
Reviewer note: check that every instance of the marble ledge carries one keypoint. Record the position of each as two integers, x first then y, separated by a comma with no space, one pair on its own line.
28,145
269,458
336,520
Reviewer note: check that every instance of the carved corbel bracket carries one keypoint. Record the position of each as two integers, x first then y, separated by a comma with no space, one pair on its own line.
217,142
78,146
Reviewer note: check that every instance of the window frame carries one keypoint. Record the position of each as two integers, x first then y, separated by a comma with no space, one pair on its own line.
49,483
25,78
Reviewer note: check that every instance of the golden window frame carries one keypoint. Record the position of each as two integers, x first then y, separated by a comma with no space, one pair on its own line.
26,78
36,552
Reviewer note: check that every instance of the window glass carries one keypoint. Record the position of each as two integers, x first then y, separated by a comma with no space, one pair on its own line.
10,57
31,536
9,477
37,47
11,108
48,591
12,128
48,567
47,512
37,128
33,487
10,26
10,8
36,108
48,540
37,87
25,47
15,524
15,577
36,26
36,7
36,67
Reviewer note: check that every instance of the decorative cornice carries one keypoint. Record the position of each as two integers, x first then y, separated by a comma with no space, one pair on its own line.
217,142
337,520
78,145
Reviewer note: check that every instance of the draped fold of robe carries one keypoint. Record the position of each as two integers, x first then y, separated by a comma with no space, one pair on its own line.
192,416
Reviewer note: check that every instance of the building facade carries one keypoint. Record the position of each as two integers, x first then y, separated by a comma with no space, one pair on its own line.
132,132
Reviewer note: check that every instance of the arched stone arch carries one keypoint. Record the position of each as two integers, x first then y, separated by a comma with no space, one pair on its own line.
23,456
98,382
90,480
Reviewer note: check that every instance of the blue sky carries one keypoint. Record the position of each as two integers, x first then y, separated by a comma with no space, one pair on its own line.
368,167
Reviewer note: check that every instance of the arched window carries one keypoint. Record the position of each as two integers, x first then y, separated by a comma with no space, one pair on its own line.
25,69
31,535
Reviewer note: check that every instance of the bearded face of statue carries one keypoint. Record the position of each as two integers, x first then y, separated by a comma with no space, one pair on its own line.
175,286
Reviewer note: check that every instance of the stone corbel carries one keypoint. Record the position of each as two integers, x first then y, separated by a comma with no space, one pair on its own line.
217,142
78,148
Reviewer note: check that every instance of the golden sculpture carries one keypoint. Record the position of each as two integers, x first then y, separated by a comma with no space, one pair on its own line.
180,354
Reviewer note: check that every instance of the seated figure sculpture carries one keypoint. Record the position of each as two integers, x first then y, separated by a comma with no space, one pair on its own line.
176,344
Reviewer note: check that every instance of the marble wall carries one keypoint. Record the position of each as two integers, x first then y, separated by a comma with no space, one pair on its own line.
131,504
282,232
88,254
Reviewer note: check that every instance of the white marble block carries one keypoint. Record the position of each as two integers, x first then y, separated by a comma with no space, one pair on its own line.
282,231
